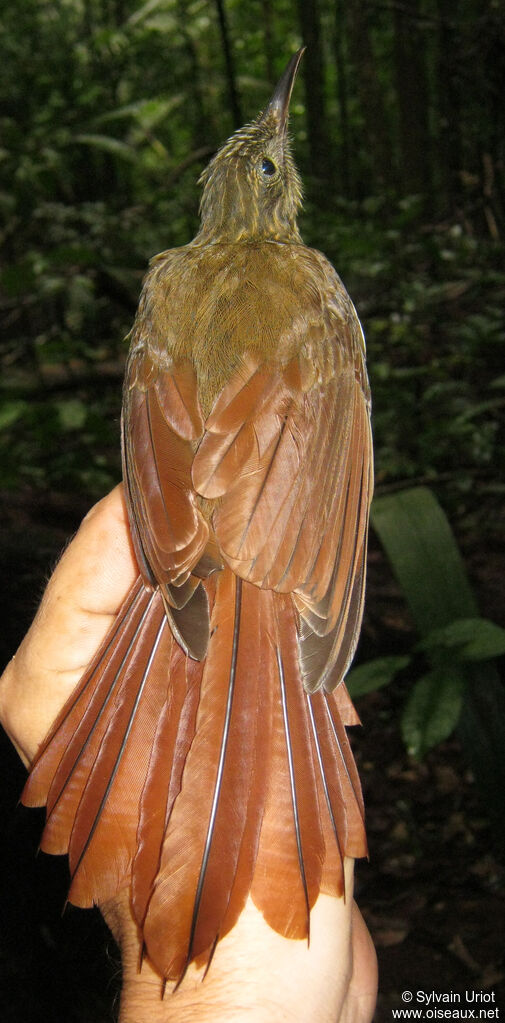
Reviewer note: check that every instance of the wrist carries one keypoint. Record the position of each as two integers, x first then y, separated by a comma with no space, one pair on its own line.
255,975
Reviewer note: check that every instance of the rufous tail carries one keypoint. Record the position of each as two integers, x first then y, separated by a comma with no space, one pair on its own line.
199,783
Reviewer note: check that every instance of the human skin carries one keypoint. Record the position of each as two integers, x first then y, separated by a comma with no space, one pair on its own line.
256,974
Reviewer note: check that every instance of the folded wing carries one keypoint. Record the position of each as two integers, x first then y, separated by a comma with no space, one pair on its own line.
162,423
287,453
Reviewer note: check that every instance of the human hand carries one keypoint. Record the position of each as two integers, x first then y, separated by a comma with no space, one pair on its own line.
78,606
256,973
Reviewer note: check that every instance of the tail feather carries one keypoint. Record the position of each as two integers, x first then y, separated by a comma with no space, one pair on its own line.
351,797
344,705
205,868
199,783
332,880
291,851
104,835
174,903
248,752
172,740
82,723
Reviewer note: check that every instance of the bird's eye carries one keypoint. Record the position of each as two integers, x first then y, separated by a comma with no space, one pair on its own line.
267,167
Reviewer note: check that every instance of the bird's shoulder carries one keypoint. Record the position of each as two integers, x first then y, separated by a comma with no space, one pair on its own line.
213,303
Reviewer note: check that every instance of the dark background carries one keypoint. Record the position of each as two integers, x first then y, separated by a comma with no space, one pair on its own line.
109,111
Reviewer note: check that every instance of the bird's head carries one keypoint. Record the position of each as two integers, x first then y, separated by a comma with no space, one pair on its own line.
252,189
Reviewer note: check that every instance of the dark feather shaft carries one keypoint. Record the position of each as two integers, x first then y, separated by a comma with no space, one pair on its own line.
55,797
356,788
322,770
289,751
220,767
122,747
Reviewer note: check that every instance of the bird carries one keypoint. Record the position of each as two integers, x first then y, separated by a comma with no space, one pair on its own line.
203,759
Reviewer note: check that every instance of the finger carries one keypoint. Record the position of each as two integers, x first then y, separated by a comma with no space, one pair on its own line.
84,591
361,996
79,604
98,566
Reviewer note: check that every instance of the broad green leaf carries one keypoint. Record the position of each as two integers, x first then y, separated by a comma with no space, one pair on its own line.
433,709
424,557
478,638
374,674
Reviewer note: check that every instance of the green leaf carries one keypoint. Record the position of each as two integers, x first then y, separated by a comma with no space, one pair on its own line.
366,678
72,414
478,638
476,410
10,412
162,23
143,12
433,709
424,556
148,112
108,144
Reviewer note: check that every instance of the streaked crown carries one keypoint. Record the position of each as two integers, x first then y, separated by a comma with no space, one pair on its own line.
252,189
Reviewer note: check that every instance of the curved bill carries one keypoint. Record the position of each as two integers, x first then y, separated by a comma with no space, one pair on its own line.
278,106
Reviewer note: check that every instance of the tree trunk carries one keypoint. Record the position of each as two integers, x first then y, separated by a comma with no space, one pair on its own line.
412,92
321,163
229,65
342,93
449,114
266,9
374,168
198,115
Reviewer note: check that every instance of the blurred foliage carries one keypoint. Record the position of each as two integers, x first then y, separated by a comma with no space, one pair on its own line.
110,110
456,653
431,299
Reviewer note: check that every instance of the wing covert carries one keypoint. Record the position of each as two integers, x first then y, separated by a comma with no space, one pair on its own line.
287,451
161,423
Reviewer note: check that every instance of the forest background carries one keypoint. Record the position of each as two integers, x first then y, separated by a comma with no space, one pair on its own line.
109,111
